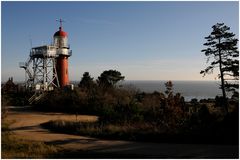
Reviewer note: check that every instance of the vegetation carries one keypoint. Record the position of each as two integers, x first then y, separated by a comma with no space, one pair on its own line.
86,81
219,132
132,115
15,98
109,78
222,48
17,148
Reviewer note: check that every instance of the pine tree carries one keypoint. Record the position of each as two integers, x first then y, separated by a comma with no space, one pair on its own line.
109,78
222,49
86,81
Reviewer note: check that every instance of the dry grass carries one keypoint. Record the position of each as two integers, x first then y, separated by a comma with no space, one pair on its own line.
13,147
127,131
17,148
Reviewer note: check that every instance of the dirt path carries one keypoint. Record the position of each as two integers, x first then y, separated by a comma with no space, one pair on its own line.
27,126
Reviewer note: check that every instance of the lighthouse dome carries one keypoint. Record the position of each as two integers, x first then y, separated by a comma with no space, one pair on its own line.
60,33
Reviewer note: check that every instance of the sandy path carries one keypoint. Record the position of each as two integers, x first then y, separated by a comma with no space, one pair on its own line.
27,126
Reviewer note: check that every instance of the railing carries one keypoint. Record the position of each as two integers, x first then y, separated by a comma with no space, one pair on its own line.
43,53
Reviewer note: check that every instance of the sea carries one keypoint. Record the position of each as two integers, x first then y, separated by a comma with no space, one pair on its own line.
188,89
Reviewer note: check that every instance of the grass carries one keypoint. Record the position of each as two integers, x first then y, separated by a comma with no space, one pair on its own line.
97,129
12,147
16,148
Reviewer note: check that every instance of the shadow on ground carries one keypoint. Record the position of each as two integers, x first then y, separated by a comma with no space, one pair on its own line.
144,150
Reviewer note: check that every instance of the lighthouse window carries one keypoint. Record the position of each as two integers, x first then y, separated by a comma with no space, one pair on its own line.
66,71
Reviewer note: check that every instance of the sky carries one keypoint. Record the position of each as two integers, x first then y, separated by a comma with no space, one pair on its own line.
143,40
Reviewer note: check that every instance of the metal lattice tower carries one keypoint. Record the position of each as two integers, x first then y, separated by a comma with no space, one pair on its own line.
40,69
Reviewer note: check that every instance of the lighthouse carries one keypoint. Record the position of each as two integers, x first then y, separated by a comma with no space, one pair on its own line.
63,52
47,66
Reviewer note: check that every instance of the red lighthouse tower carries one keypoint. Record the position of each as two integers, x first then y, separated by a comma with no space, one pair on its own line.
63,52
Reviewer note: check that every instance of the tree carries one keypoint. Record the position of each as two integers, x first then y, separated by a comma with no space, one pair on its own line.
86,81
169,88
222,49
109,78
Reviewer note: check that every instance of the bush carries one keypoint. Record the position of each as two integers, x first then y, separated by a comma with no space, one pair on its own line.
121,107
60,100
15,98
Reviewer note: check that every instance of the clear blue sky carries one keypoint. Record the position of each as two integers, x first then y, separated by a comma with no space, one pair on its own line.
143,40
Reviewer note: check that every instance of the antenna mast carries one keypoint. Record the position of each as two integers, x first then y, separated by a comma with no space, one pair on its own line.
60,21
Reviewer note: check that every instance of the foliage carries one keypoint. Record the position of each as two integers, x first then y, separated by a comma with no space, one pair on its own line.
15,98
222,49
59,100
197,130
169,88
109,78
86,81
117,105
125,113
